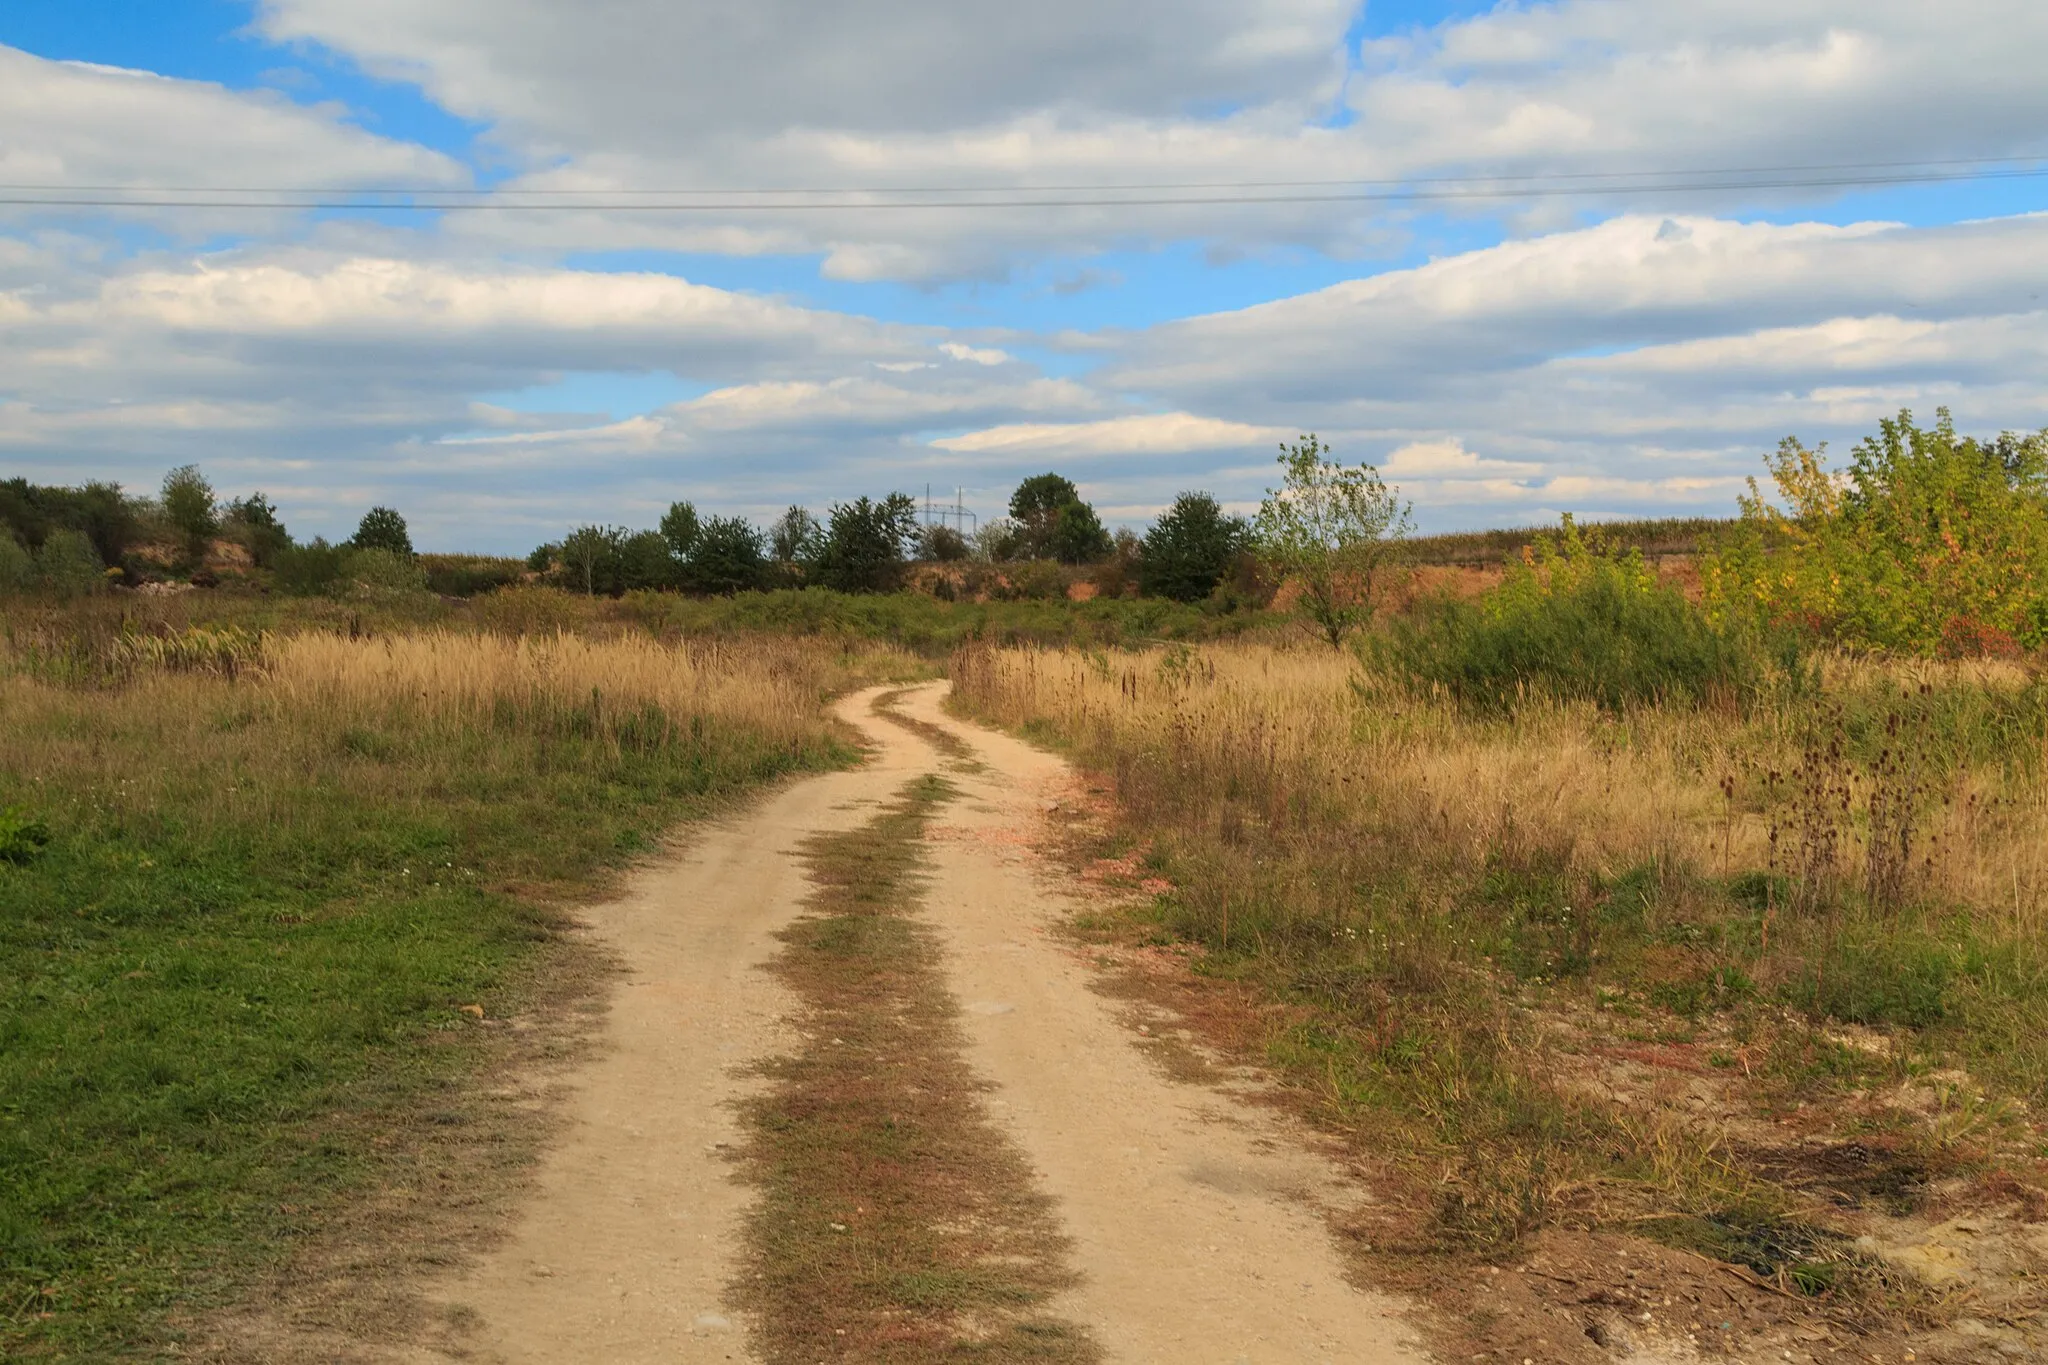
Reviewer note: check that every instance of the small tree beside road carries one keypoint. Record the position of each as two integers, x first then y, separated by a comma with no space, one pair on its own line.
1334,529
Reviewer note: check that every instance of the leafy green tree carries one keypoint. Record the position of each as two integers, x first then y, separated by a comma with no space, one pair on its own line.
679,527
942,545
1054,523
110,519
1334,529
69,566
1190,548
382,529
17,565
590,558
868,544
647,560
1929,543
189,505
796,538
254,521
728,556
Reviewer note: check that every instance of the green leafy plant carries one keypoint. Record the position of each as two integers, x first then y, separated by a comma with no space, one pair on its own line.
22,836
1928,543
189,506
1334,529
1577,617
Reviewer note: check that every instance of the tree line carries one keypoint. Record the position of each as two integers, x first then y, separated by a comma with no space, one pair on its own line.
1329,527
70,540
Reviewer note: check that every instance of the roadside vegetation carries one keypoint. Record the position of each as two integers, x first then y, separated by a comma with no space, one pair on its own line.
1718,922
260,891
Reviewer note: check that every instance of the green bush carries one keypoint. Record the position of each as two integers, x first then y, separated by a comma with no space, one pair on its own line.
309,570
470,575
17,566
1929,543
380,575
69,566
1581,619
22,837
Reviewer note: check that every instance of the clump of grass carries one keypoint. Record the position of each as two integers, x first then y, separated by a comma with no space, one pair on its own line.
896,1223
267,894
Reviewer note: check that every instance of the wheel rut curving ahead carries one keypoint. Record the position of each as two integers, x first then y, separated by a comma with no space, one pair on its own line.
857,1100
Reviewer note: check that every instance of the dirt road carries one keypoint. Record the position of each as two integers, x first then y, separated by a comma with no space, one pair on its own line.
1196,1218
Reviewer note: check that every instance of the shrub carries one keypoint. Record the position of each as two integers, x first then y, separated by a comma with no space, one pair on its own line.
308,570
1190,548
1927,544
470,575
22,836
69,566
381,575
17,566
1577,618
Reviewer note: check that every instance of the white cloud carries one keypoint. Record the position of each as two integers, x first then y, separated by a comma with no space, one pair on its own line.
775,93
1166,433
70,124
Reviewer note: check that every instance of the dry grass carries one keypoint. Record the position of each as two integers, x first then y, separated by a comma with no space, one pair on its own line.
1465,929
286,874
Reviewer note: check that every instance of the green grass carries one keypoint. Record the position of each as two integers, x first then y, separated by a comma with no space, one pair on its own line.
243,957
926,625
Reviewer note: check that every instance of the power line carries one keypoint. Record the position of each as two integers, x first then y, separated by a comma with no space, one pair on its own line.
1477,188
1915,168
767,206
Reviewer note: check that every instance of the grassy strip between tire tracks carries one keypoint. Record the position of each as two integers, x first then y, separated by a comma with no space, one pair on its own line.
896,1224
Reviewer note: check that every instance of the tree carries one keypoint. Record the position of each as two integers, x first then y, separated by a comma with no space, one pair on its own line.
1054,523
255,523
728,556
867,544
1190,548
796,538
942,544
647,560
590,556
189,507
1928,543
382,529
17,565
1333,529
679,528
69,566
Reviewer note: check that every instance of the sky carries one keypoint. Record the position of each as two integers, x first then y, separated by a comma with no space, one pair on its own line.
713,249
